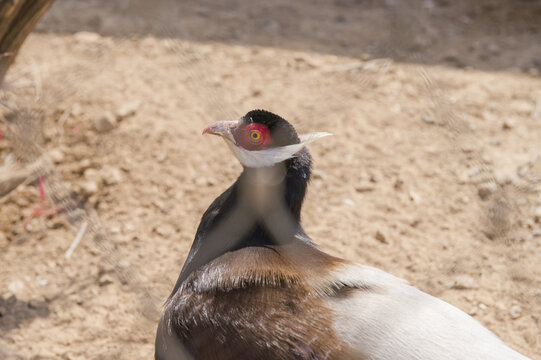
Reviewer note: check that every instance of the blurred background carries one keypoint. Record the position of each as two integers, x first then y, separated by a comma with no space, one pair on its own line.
433,173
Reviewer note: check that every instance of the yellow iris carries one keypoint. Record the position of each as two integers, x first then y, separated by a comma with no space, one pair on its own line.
255,135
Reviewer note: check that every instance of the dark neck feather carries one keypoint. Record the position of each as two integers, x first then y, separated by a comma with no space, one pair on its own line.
262,208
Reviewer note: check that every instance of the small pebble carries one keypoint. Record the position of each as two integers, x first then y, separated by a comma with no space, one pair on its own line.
105,279
111,176
380,237
56,155
161,157
16,287
92,175
515,312
414,197
397,183
35,304
429,119
55,223
501,178
105,122
89,188
364,188
486,189
200,181
160,205
76,110
464,282
211,181
127,109
431,150
537,215
508,124
374,178
81,166
468,148
164,230
349,202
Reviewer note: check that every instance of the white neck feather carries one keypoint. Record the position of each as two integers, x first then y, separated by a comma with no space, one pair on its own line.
272,156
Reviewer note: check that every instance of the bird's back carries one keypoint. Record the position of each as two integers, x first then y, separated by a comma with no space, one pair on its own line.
296,302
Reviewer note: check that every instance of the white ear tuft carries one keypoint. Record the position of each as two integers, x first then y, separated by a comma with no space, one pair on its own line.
311,137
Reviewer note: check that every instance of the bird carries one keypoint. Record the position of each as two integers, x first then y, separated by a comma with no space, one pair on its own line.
255,286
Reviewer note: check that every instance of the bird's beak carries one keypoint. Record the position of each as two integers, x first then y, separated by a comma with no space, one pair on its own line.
223,129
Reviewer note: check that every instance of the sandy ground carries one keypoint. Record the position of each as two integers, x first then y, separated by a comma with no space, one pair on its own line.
432,175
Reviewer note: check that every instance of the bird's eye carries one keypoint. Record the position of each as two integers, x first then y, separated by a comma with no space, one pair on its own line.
255,136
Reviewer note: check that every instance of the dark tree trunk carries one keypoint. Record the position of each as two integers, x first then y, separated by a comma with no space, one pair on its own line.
17,19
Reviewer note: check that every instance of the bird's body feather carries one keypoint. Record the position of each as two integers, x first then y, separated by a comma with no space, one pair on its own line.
400,322
296,302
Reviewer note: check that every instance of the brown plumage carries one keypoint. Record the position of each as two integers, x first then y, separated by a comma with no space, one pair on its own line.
261,303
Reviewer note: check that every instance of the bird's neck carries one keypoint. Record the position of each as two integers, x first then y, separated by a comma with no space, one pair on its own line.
281,187
262,208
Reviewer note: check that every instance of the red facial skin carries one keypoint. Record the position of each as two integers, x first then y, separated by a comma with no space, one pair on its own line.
253,136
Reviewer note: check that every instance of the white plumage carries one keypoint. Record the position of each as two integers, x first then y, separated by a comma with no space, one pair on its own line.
401,322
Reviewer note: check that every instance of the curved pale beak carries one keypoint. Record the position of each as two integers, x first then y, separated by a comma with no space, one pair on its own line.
223,129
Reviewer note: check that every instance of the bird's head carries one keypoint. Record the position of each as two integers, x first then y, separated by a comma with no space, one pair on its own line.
261,138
